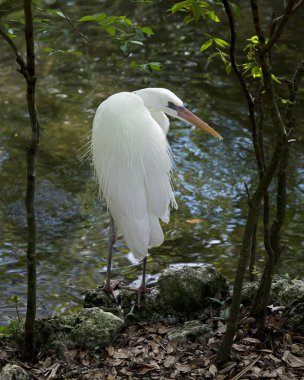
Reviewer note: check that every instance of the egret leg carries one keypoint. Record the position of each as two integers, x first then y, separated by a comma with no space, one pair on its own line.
142,288
108,288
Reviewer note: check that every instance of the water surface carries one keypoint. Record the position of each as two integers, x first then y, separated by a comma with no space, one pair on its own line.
72,222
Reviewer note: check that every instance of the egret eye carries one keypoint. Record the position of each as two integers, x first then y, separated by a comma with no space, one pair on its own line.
171,105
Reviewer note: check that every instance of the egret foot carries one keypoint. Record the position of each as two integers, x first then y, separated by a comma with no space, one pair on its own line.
109,288
141,290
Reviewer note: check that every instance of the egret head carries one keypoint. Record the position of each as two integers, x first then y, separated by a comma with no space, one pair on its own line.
163,100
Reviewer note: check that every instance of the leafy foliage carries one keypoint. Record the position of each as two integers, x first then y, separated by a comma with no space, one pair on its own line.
149,66
205,11
123,30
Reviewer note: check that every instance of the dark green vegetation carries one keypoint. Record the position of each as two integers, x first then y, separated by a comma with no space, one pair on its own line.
185,71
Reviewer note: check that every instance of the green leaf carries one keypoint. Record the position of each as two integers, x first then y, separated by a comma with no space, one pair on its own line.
111,30
182,5
256,71
87,18
147,30
247,66
100,18
223,57
228,68
136,42
254,39
48,50
14,299
221,43
235,9
276,79
126,20
59,13
212,16
206,45
195,10
285,101
155,65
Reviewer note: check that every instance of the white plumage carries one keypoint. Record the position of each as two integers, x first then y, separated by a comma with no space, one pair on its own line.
133,165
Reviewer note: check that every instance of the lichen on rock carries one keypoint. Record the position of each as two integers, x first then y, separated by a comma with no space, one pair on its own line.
14,372
95,328
193,331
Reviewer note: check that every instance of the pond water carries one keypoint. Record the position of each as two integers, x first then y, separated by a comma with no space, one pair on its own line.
72,222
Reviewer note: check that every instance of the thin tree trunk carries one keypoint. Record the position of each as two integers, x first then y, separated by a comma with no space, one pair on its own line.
252,263
274,236
31,183
226,344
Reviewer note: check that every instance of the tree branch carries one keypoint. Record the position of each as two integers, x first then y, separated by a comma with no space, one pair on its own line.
19,58
73,26
249,98
267,74
282,173
278,24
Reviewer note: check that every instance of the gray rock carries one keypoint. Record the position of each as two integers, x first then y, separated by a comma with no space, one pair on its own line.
95,328
54,333
89,328
287,291
284,291
193,331
187,290
14,372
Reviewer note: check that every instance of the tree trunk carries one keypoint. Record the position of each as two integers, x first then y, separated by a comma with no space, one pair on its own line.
31,183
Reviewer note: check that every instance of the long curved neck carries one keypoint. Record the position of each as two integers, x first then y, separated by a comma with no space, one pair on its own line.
161,119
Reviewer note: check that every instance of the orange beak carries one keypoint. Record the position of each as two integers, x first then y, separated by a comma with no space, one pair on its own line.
187,115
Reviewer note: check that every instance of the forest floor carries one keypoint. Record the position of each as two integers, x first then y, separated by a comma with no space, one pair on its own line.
143,351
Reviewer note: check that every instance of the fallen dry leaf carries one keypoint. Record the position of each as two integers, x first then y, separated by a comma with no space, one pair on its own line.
121,354
292,360
169,361
183,367
239,347
274,358
268,374
70,355
213,369
164,330
55,368
170,347
111,350
142,369
249,340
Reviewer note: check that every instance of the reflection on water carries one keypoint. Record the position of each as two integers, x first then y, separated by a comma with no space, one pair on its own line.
73,224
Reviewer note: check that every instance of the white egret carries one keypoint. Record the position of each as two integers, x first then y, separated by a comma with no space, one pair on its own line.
133,165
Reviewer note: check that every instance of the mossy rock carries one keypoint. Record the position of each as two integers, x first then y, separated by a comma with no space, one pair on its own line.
53,333
14,372
90,328
191,331
95,328
284,291
188,290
